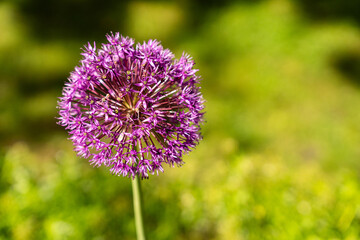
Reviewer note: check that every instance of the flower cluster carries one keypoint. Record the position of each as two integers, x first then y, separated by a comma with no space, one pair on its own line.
132,108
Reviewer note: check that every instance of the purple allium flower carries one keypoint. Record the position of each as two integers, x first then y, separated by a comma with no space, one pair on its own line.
132,108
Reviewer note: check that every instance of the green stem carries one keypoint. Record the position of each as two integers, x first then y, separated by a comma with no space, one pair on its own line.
137,208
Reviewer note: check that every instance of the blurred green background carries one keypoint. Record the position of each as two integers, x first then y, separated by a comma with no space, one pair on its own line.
280,158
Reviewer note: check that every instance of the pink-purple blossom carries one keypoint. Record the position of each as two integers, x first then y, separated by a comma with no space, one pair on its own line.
132,108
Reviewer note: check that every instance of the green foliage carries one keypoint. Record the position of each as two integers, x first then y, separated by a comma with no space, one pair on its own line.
236,197
280,155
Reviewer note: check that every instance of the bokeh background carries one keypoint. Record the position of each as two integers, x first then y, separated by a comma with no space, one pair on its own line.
280,158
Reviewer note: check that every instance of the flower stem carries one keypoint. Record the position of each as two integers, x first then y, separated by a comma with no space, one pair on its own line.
137,200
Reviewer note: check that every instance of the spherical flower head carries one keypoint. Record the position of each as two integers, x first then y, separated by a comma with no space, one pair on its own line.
132,108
